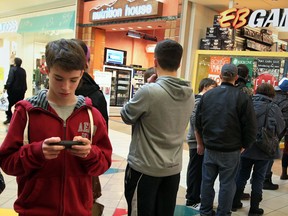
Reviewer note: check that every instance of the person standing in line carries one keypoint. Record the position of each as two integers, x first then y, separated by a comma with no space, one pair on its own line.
160,112
194,170
241,82
255,158
225,123
52,179
16,86
281,99
89,88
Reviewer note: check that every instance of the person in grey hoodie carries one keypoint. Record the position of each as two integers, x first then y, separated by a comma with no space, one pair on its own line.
160,113
194,169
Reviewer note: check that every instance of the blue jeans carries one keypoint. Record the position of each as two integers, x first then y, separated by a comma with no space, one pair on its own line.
226,165
258,175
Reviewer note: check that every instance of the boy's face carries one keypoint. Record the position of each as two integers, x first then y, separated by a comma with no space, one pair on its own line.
62,85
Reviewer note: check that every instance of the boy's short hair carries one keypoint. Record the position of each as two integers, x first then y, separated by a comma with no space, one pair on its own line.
206,82
168,54
18,62
66,54
266,89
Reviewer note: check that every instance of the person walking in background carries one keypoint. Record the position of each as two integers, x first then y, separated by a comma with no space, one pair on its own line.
15,86
52,179
225,123
194,170
160,112
255,158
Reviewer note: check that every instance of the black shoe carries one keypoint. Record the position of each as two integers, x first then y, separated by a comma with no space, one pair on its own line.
256,212
236,206
6,122
270,186
245,196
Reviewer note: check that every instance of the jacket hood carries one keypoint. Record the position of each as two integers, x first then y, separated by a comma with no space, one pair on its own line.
260,102
87,85
40,100
177,88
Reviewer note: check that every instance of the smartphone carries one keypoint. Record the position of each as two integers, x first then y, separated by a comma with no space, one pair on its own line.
67,143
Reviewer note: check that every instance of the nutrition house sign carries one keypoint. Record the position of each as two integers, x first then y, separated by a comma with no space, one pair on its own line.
125,9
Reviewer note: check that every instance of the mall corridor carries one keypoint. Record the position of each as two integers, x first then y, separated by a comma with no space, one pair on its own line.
275,203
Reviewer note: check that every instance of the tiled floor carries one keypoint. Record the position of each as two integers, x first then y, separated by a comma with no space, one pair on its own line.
275,203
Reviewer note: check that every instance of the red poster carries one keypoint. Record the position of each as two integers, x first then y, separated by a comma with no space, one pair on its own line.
216,63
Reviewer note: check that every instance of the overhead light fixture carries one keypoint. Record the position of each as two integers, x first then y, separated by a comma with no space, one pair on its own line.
139,35
134,34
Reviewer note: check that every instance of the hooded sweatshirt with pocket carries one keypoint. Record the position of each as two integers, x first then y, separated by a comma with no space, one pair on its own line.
160,113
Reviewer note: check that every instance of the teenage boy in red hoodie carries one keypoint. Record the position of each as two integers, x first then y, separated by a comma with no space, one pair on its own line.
54,180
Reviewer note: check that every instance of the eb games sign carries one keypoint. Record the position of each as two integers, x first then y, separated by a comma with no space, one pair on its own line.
237,18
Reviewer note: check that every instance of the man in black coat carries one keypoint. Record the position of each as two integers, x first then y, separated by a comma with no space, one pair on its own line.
16,86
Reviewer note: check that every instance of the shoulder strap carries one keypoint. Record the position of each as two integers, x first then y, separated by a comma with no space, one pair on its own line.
91,123
25,134
267,111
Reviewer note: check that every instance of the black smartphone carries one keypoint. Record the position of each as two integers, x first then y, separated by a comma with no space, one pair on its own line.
67,143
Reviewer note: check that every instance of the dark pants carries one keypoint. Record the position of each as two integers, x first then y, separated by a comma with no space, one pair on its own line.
194,177
285,153
13,98
269,169
150,196
258,175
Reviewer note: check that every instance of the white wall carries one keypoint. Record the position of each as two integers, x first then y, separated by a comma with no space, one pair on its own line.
194,21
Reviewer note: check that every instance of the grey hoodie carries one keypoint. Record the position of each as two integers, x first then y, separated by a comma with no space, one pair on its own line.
160,112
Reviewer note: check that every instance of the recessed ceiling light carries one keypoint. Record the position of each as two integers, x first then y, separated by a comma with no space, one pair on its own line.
149,26
139,27
122,28
130,27
114,29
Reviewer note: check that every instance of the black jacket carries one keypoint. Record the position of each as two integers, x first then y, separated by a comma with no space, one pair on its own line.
226,120
16,82
89,88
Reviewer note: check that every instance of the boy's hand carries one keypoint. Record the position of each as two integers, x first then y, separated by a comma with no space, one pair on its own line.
81,150
51,151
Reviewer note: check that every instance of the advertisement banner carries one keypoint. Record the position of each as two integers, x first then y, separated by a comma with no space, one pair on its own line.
249,63
216,63
103,79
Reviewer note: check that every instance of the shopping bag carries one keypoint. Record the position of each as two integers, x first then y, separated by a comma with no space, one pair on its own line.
4,103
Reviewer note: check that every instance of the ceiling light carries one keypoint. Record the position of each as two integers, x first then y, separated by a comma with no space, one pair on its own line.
149,26
139,35
134,34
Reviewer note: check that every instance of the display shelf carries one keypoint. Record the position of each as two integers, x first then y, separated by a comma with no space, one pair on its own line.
121,84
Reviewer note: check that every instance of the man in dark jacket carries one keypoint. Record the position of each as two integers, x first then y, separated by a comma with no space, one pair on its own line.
225,123
16,86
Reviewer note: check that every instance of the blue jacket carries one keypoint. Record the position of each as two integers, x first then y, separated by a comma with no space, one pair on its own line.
275,122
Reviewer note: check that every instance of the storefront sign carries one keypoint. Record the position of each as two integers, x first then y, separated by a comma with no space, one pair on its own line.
10,26
121,9
238,18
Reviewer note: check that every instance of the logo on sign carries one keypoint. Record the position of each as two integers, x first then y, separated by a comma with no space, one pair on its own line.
238,18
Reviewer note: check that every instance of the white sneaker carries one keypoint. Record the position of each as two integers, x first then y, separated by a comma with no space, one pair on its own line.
196,206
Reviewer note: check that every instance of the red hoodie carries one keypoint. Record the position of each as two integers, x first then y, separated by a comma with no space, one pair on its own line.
60,186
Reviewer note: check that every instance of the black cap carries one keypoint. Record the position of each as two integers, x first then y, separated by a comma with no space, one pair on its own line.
229,70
